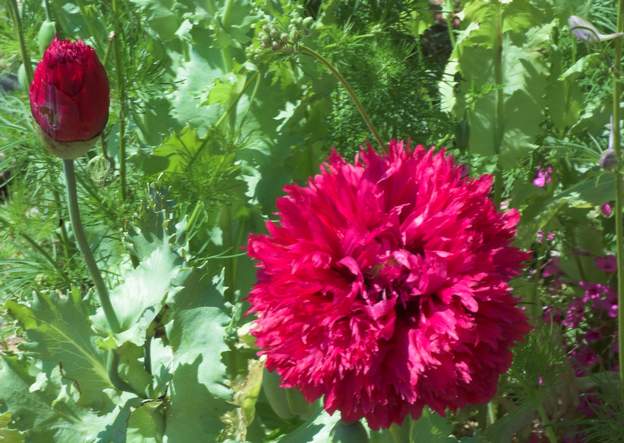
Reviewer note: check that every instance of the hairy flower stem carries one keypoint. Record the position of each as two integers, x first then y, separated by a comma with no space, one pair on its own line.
17,20
500,110
343,81
619,197
121,89
83,245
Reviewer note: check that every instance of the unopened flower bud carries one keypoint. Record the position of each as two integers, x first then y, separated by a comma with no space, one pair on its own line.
587,32
69,98
608,160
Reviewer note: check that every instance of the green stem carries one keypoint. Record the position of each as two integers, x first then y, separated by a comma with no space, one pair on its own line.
619,197
109,45
64,236
48,10
498,120
121,86
20,36
350,91
83,245
112,366
450,13
226,56
396,433
39,249
550,433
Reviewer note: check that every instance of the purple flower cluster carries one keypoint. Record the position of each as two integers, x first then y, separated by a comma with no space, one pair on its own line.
543,176
592,338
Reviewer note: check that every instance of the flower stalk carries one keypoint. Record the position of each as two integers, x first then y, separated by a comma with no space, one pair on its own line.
619,196
121,89
83,245
19,30
343,81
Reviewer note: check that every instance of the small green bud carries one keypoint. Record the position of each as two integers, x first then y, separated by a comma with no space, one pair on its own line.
45,35
276,46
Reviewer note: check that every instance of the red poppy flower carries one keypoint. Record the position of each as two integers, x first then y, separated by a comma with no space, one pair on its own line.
384,286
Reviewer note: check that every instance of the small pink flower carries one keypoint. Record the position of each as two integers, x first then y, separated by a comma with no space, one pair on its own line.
606,209
552,315
607,263
593,291
574,314
543,177
592,335
541,236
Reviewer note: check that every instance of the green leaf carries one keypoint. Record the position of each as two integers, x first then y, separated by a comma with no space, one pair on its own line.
44,408
505,428
525,74
581,67
30,411
132,368
146,424
59,332
194,413
594,189
142,295
195,79
200,333
317,430
9,435
431,428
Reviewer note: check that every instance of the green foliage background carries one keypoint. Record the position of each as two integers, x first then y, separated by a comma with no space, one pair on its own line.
215,126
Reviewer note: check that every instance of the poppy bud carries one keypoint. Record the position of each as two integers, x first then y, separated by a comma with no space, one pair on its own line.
608,160
69,98
585,31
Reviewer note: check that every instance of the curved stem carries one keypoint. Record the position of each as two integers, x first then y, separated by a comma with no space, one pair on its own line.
22,43
83,245
619,197
121,86
112,366
39,249
349,88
